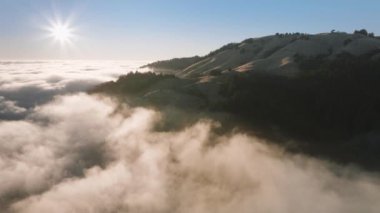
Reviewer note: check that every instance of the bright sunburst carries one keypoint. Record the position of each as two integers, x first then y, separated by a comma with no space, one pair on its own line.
61,32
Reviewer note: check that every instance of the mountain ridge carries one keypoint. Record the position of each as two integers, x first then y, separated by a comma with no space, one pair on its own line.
275,54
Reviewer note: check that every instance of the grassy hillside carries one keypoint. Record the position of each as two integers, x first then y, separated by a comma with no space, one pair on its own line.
332,109
174,64
274,54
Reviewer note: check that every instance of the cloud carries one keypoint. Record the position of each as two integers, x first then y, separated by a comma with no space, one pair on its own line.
10,109
82,153
55,74
31,83
57,144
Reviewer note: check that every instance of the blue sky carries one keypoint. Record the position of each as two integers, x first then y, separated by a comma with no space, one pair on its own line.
159,29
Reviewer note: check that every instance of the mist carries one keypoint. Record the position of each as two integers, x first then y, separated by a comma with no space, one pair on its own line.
27,84
82,153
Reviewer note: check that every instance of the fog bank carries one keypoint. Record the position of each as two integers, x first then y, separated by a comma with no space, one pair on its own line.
82,153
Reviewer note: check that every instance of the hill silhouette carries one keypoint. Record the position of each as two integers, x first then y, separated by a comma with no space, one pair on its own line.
329,105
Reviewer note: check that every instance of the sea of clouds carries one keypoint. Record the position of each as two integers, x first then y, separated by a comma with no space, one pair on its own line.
75,152
27,84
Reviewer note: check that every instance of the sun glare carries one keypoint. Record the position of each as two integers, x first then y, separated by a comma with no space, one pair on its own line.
61,32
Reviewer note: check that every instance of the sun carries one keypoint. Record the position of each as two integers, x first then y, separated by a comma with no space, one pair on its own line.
61,32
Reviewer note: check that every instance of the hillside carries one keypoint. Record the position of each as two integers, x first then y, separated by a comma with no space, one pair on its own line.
173,65
329,107
275,54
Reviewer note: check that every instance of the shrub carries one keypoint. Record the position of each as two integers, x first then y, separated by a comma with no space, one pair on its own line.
361,32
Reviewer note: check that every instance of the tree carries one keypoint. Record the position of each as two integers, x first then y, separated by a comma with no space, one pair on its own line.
362,32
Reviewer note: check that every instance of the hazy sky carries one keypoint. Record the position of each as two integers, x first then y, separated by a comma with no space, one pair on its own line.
159,29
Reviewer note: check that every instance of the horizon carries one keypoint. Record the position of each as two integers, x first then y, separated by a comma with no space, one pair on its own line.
150,31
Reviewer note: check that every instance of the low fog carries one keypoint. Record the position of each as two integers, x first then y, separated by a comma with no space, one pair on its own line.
74,152
27,84
83,153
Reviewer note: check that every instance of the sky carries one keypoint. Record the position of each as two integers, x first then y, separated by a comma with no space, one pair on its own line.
162,29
